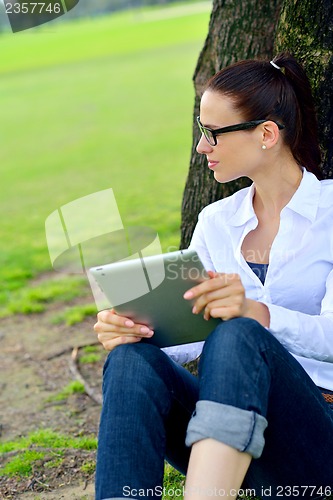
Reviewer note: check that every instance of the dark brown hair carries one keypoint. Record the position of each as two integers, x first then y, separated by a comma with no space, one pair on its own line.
261,91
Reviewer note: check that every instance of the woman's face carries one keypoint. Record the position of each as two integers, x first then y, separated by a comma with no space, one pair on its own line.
237,153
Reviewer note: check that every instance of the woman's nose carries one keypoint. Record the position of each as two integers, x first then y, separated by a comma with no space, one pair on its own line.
203,146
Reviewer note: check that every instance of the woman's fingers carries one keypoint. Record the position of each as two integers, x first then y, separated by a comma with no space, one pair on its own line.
110,317
230,307
222,296
113,330
216,281
110,341
109,321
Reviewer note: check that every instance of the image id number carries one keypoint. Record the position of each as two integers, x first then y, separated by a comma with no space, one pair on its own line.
33,7
303,491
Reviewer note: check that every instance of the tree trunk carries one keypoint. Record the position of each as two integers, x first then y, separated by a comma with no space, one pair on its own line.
245,29
306,30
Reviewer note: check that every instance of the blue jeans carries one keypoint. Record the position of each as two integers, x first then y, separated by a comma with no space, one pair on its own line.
250,393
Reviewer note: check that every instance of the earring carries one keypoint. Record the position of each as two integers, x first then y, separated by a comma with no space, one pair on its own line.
264,146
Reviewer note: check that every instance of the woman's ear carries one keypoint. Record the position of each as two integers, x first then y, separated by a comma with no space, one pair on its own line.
270,134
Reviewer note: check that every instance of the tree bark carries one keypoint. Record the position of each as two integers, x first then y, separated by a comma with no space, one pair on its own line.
305,29
245,29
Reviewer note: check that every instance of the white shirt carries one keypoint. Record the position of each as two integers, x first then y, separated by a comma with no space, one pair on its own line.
298,288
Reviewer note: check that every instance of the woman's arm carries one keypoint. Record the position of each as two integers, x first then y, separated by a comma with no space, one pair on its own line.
310,336
306,335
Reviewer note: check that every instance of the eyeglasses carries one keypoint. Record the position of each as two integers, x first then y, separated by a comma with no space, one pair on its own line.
210,134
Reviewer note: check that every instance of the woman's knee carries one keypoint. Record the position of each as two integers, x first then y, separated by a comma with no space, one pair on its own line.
133,363
235,332
238,341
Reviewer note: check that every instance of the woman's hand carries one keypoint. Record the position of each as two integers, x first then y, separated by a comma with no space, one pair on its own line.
113,330
223,296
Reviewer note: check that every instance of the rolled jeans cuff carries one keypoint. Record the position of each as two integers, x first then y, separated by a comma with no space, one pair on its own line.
240,429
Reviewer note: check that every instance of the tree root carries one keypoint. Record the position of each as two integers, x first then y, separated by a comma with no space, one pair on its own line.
68,349
74,368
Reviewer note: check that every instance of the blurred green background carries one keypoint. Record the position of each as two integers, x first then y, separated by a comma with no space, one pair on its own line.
88,105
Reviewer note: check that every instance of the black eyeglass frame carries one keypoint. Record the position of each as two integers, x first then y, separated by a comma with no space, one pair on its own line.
232,128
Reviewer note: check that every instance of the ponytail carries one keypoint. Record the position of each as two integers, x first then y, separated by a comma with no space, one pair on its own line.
278,90
305,138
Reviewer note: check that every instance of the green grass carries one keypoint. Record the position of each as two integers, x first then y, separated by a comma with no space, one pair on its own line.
88,467
22,464
90,354
88,349
51,464
89,105
90,358
75,314
74,387
34,299
173,484
47,438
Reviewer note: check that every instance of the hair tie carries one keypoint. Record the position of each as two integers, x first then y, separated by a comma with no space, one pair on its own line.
275,65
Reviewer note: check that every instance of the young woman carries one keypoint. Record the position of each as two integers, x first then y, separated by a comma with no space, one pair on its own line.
255,418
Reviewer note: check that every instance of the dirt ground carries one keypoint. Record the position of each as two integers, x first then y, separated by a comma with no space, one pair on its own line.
35,359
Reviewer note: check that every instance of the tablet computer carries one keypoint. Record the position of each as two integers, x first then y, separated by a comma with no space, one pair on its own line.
150,289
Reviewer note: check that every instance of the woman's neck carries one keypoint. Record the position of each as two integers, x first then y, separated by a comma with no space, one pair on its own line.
274,190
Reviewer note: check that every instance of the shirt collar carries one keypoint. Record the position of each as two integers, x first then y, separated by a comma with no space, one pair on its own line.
306,199
245,211
304,202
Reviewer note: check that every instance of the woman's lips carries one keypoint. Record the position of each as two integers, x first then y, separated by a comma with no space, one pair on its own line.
212,164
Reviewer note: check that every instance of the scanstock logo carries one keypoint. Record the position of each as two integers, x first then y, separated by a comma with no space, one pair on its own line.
24,14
